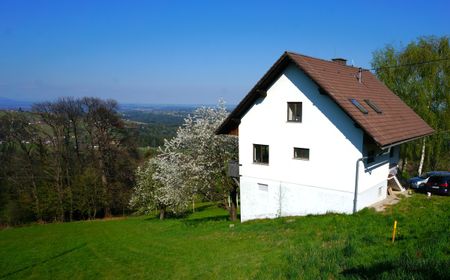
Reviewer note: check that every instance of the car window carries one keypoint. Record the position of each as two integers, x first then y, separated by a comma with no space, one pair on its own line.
436,179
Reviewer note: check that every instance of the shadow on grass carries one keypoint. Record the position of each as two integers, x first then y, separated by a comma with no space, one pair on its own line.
205,206
371,272
197,221
410,269
168,215
44,261
204,216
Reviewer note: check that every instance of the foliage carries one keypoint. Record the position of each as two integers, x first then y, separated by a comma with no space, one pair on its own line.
154,124
192,163
68,159
204,246
150,194
424,87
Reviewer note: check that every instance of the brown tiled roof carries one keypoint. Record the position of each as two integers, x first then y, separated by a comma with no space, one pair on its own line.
397,122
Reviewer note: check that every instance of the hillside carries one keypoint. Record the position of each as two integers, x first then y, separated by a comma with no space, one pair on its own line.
205,245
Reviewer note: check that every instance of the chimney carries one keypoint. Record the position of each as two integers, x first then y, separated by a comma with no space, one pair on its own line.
340,60
359,75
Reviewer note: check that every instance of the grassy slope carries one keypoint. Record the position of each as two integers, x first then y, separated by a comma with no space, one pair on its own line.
205,246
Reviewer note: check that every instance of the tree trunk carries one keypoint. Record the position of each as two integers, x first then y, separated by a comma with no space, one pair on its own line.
70,193
422,158
77,144
59,192
162,213
105,187
233,207
34,188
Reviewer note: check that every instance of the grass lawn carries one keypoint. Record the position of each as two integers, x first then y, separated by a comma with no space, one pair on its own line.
205,246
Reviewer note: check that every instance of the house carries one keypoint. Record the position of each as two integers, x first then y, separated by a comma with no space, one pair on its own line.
318,136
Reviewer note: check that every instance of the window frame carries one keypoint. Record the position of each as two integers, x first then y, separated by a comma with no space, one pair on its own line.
302,158
295,104
260,159
374,106
359,106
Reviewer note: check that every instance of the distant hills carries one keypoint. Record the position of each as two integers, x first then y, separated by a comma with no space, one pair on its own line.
11,104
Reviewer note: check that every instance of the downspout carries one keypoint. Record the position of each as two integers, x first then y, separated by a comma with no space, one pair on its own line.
355,197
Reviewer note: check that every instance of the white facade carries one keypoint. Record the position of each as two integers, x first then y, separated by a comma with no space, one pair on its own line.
324,183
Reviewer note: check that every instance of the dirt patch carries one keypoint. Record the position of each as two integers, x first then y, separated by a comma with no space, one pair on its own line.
393,198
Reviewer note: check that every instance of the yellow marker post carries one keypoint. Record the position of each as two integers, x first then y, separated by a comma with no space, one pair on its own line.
394,231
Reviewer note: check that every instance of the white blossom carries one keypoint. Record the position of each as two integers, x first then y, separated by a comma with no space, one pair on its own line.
193,162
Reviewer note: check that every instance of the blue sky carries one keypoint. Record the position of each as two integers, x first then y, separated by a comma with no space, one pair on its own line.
188,52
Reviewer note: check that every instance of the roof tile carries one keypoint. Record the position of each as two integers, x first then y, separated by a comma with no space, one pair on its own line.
397,122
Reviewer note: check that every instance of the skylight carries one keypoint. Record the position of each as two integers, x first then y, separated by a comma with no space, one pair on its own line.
373,106
359,106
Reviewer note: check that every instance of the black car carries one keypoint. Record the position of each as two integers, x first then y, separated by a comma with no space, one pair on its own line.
439,184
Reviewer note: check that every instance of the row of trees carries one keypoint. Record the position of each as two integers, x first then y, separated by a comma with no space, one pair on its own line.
420,75
65,160
191,165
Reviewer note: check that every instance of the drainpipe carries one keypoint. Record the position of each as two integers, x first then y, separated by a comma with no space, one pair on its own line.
355,198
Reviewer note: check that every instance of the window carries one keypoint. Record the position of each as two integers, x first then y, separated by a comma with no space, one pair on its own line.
373,106
261,154
294,113
263,187
359,106
301,153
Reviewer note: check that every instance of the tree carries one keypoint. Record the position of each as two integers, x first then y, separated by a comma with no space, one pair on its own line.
420,75
109,146
21,154
68,159
194,161
150,193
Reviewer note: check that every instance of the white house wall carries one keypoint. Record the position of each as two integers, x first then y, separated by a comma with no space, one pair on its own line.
323,183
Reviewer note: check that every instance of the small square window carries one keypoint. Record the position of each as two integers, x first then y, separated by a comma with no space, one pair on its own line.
301,153
294,112
263,187
261,154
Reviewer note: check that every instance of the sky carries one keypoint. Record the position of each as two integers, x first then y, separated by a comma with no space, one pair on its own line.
189,52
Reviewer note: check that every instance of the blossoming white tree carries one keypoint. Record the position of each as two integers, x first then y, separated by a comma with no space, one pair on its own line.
150,194
192,163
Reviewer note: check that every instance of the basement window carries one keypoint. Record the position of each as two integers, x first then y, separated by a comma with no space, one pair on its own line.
301,153
261,154
373,106
359,106
294,113
263,187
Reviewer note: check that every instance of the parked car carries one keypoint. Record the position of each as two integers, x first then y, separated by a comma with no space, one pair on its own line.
418,183
439,183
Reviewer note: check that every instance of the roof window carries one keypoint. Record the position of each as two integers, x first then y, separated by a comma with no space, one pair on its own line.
359,106
373,106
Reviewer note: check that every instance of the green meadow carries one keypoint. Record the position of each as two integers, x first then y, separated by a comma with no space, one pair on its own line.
205,245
